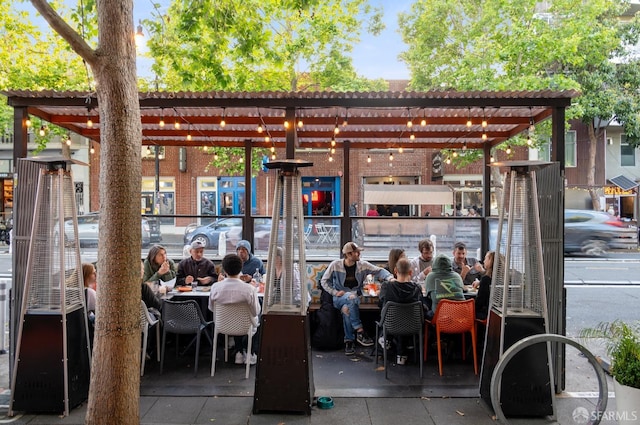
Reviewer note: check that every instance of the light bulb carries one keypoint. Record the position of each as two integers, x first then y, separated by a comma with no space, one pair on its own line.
161,123
176,125
89,122
148,150
286,124
42,132
215,156
267,139
508,151
336,129
28,123
223,122
484,123
189,137
464,146
391,157
300,123
330,159
273,156
423,122
491,158
448,161
529,141
273,149
455,154
333,143
260,128
333,150
240,160
469,123
412,136
369,158
92,150
400,149
484,136
68,141
409,123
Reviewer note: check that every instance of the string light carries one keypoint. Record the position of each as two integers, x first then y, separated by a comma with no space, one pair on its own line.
240,160
28,123
424,120
148,150
529,141
68,140
455,154
409,122
92,150
333,150
508,151
330,158
273,149
400,149
89,122
222,121
464,146
215,156
188,136
336,129
484,119
161,123
267,139
273,156
390,156
491,158
300,123
42,131
484,136
346,118
369,159
412,136
176,124
333,142
286,124
448,160
260,128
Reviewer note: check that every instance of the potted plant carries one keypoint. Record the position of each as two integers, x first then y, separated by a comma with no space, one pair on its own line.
622,341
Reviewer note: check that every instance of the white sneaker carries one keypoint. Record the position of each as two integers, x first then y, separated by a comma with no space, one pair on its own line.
253,359
240,358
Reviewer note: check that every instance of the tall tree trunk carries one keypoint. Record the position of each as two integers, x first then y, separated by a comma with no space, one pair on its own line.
591,168
115,369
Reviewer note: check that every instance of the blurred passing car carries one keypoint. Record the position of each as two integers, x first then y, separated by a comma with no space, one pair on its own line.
88,230
209,234
595,232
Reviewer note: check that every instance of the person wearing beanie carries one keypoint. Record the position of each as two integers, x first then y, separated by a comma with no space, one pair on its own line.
442,283
250,263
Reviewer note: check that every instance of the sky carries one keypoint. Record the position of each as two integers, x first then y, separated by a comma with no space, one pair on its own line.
374,57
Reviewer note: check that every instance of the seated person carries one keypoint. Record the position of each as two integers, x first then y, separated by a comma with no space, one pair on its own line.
468,267
147,295
343,279
196,268
232,290
275,296
442,284
250,263
89,279
484,286
402,290
394,255
157,266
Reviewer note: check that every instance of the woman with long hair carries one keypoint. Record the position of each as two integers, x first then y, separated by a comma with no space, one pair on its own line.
157,266
484,287
394,255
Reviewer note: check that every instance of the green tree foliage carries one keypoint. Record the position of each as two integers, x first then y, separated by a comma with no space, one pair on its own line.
258,45
529,45
34,60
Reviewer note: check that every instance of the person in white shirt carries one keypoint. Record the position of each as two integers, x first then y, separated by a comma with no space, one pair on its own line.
421,265
233,290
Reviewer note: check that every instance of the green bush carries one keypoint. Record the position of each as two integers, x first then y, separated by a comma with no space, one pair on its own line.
623,345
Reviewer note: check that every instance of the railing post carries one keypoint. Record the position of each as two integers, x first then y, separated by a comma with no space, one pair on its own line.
3,301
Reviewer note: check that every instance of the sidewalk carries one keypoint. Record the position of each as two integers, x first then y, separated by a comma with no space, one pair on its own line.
438,410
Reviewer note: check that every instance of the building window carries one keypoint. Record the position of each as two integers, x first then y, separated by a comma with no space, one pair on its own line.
627,153
570,150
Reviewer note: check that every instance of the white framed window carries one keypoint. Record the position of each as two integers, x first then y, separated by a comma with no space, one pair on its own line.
627,153
570,150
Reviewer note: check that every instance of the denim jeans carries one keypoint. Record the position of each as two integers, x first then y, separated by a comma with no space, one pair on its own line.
350,322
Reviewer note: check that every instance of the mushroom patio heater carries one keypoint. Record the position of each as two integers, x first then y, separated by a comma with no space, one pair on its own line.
518,306
52,357
284,373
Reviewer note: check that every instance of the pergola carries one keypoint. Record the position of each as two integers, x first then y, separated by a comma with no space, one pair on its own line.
364,120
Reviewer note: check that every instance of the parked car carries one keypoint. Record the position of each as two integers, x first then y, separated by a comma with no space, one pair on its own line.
209,234
88,230
594,232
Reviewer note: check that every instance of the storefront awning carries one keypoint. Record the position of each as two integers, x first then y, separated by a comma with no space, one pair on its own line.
624,182
407,194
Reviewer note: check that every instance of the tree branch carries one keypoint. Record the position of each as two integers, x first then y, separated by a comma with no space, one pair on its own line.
77,43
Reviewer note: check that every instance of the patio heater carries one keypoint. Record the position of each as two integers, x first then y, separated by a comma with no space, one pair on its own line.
284,373
518,306
52,358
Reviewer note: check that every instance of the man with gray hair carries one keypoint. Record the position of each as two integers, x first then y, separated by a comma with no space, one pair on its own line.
196,268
